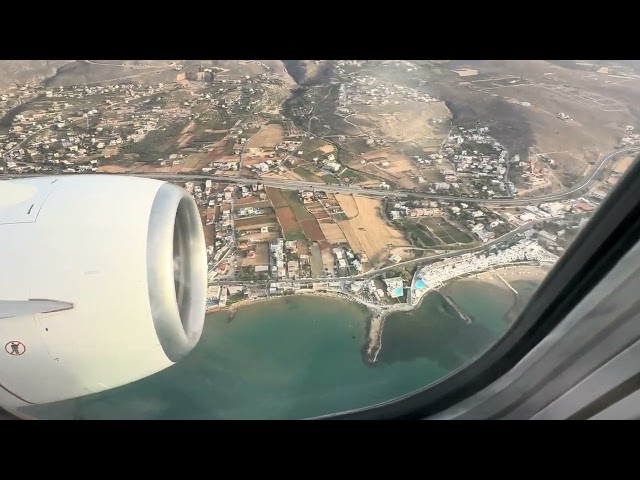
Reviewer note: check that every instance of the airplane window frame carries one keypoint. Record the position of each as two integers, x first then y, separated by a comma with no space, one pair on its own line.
612,231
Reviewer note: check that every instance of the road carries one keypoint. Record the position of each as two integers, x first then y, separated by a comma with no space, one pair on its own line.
7,154
372,273
91,62
18,103
355,190
131,66
244,145
315,109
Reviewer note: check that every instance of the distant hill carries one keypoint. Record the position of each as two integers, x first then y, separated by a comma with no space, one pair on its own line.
634,64
28,71
75,72
155,71
113,71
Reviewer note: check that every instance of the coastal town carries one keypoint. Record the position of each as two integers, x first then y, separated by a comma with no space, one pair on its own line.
363,186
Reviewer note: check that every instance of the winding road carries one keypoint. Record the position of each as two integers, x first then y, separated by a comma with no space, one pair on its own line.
355,190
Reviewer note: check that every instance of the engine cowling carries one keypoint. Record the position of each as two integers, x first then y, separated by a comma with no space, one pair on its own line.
102,282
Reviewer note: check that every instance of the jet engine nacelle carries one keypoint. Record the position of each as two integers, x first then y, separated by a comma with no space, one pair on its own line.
102,282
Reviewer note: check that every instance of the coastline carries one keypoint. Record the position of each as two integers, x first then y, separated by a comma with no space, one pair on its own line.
373,335
490,277
234,306
243,303
498,276
513,272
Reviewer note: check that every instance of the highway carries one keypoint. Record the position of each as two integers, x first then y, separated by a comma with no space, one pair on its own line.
355,190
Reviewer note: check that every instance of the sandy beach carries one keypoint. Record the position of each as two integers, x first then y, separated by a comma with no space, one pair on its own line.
499,276
514,272
234,306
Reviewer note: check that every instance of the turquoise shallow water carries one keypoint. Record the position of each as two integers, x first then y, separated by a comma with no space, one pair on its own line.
301,356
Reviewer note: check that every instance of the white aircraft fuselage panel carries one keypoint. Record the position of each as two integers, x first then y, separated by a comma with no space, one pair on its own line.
23,353
20,202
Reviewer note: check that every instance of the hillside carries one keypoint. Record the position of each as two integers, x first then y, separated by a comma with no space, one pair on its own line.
308,72
28,71
156,71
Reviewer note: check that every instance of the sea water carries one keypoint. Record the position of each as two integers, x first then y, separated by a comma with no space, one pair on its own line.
301,356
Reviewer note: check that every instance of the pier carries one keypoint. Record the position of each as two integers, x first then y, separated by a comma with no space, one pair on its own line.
455,306
507,284
374,343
